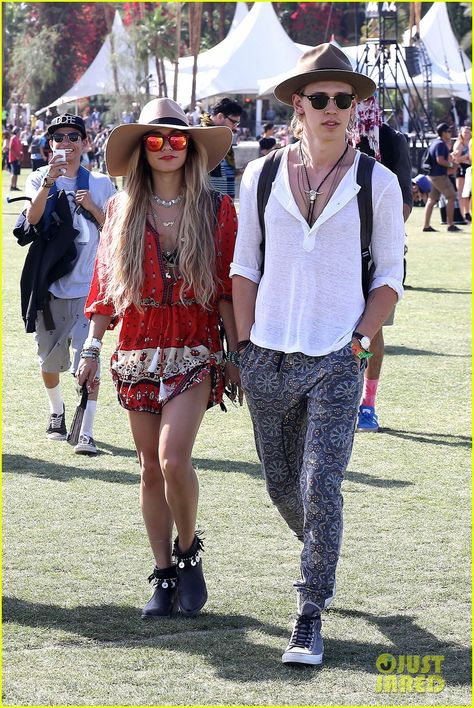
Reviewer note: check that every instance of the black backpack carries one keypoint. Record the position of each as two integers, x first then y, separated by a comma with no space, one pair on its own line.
364,201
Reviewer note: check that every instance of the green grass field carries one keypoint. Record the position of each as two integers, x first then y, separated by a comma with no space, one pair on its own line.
75,556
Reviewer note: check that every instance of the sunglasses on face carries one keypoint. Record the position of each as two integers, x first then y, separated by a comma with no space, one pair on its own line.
72,137
319,101
234,122
156,142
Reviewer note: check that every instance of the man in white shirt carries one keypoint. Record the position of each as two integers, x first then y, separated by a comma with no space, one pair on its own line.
61,324
304,325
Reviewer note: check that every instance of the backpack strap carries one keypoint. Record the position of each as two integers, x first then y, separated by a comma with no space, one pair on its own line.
366,215
264,187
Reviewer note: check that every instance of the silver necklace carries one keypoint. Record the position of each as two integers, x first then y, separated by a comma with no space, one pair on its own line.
313,193
167,202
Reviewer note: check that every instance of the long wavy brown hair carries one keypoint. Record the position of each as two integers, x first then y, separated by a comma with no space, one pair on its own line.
125,231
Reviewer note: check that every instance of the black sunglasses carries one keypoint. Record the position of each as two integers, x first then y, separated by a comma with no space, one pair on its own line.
73,137
319,101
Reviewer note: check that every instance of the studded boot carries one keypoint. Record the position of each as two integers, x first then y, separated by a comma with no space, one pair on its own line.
192,591
164,599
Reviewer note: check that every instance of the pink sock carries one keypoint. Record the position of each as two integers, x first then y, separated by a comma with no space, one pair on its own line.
370,391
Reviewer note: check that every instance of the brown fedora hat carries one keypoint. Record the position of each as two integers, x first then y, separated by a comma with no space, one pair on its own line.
163,113
324,63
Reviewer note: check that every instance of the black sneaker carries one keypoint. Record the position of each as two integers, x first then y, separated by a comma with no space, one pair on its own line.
192,591
306,644
164,600
430,229
56,429
453,227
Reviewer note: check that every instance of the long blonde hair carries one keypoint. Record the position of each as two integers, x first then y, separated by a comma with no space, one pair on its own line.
124,272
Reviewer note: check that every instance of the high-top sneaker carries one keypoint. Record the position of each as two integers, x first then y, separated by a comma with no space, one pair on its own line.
306,644
164,599
192,591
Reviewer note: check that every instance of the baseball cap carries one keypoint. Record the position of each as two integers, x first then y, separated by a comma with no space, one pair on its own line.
68,120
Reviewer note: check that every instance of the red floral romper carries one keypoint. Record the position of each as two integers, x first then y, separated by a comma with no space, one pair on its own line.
170,346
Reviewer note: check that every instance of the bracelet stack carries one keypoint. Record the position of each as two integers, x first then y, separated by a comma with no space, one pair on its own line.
91,348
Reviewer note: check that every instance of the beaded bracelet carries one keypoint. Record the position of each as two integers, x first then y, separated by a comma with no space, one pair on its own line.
93,343
89,354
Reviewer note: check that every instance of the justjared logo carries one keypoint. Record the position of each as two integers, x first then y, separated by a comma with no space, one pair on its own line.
409,673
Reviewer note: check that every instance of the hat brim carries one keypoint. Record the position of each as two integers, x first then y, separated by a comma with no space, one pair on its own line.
363,85
122,141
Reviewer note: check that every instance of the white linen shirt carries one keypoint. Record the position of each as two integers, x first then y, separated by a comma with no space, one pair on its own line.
310,298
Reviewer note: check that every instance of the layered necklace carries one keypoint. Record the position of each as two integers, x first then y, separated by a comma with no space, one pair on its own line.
313,193
167,203
170,256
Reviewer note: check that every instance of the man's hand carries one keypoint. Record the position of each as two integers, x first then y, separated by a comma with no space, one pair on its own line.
84,199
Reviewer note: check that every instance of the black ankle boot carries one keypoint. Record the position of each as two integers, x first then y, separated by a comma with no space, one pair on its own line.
192,591
164,599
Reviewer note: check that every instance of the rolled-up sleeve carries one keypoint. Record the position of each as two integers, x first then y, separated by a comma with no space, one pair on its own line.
247,260
388,238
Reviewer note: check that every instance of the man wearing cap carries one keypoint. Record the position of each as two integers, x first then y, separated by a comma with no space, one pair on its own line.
304,326
87,195
440,157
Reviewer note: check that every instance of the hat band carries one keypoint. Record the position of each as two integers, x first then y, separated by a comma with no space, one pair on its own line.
169,121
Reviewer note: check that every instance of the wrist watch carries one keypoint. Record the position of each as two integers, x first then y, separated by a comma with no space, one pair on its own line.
363,340
48,182
233,358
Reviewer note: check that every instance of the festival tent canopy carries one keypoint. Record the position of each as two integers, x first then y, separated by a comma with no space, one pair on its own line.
241,11
439,40
256,49
112,70
448,77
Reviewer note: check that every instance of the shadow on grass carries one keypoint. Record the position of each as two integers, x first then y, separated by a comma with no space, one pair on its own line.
363,478
222,639
408,638
251,468
440,291
431,438
59,472
408,351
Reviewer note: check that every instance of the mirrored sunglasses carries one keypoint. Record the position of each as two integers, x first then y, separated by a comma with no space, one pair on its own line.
319,101
72,137
155,142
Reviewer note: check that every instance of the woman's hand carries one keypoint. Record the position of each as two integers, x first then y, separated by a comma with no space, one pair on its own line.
232,382
87,373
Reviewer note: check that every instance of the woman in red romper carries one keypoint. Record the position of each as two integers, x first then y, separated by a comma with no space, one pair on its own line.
162,277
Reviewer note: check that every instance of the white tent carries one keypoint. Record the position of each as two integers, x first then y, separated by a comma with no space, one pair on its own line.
111,71
439,40
241,11
256,49
448,77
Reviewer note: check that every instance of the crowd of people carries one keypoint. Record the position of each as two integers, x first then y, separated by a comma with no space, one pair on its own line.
279,305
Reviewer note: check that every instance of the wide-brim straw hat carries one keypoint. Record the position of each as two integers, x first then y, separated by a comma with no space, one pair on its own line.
163,113
324,63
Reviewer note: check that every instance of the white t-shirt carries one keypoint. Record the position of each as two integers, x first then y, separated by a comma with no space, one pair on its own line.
77,282
310,296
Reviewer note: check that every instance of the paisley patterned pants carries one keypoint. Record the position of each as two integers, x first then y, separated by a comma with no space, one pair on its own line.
304,413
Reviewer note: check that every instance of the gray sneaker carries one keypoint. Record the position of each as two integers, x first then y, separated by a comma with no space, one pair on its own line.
85,446
306,644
